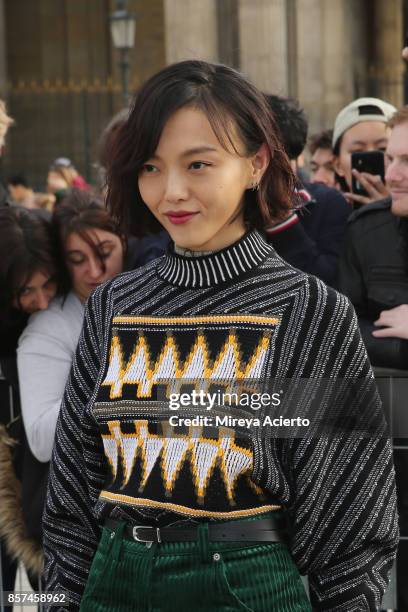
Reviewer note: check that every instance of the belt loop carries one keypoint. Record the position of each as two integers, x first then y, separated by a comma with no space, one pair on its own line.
203,543
117,537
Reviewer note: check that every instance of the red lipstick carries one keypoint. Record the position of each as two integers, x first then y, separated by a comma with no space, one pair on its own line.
180,216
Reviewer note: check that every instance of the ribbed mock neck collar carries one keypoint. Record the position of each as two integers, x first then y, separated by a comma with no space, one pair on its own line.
216,267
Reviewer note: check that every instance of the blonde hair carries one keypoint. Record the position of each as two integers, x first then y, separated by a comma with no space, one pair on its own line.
5,122
68,174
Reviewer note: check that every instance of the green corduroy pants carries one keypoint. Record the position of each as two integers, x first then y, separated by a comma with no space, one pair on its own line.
199,576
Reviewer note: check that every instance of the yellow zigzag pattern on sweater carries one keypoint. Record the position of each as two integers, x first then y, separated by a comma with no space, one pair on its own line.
172,451
140,370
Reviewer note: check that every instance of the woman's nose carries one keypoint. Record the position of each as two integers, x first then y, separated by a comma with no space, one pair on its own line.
176,188
94,268
42,300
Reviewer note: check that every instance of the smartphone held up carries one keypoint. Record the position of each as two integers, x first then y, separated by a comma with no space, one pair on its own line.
371,162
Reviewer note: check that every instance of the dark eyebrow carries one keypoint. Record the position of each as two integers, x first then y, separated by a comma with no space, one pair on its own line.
197,150
193,151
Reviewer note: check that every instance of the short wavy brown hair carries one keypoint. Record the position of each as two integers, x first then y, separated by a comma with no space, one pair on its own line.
401,116
230,102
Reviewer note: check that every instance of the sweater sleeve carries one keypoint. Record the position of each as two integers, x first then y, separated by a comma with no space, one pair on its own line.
44,361
343,509
71,531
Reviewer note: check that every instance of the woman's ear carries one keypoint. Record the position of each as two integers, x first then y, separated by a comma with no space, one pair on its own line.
259,163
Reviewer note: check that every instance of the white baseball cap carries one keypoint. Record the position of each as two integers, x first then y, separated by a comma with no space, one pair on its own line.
362,109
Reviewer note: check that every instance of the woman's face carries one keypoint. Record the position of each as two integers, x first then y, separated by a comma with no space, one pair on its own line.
194,187
85,265
37,292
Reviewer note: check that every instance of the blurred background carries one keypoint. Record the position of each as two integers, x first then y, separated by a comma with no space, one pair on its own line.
63,75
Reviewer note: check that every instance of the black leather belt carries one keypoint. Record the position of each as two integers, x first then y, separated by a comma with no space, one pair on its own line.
261,530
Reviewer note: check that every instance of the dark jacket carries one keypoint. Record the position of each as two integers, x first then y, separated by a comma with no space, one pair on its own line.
313,244
373,273
143,250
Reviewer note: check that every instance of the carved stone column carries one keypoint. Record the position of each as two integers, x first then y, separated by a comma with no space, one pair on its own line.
325,58
263,43
190,30
387,43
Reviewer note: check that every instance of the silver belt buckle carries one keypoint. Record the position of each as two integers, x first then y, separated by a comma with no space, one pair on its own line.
147,542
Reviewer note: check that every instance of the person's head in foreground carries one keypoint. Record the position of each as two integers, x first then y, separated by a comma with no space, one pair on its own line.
322,158
292,124
20,191
63,175
91,245
200,155
396,162
359,126
27,262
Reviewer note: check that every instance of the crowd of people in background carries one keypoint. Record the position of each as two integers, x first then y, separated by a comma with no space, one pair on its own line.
58,245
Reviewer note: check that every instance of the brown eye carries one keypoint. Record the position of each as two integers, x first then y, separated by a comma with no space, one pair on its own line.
198,165
148,169
105,254
24,291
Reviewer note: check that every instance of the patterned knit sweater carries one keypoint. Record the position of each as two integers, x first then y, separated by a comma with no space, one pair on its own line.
237,313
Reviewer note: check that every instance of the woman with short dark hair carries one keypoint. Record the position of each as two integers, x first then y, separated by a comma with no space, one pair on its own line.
92,250
148,510
27,250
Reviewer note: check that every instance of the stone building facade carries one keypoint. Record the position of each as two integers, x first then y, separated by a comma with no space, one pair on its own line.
60,74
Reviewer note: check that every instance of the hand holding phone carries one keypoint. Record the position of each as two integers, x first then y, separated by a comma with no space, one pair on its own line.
369,162
367,178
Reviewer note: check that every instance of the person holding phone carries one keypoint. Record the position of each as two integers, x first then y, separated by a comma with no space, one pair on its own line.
361,127
368,181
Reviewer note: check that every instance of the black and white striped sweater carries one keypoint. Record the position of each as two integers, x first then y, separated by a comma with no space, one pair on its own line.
242,309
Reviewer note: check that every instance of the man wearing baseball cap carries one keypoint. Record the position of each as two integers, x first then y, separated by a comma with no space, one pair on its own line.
361,126
373,270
